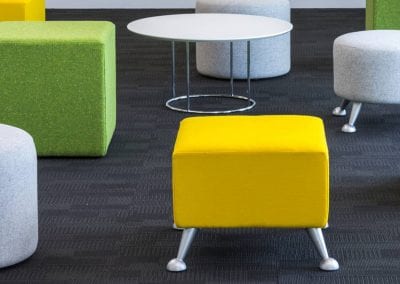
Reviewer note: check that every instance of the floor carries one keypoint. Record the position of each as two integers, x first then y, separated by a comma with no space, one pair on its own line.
108,220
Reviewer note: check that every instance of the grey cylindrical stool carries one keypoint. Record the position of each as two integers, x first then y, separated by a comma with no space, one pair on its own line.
269,57
366,69
18,196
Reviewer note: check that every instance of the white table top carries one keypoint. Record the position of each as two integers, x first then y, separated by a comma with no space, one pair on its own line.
210,27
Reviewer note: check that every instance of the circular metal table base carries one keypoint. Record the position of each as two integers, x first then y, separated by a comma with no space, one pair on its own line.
251,103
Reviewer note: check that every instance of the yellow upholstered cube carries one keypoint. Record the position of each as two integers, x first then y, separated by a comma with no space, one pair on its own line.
251,171
22,10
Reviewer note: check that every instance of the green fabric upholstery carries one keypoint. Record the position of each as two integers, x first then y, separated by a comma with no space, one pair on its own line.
383,14
58,82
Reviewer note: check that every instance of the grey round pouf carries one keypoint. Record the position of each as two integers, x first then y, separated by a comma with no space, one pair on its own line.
269,57
18,196
366,69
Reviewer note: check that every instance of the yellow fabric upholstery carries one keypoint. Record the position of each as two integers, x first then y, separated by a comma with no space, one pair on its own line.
251,171
22,10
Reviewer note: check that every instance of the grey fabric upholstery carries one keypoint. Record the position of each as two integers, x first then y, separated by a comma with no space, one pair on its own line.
18,196
270,57
367,66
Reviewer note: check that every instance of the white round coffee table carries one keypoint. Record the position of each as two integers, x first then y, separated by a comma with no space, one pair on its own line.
210,27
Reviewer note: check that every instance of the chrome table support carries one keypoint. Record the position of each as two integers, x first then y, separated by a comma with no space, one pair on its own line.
170,103
173,79
248,70
178,264
231,65
188,76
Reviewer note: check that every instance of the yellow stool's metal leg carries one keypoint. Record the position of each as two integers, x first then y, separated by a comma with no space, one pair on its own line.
178,264
327,263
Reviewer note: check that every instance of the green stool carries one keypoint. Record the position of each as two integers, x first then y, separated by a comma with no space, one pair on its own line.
383,14
58,82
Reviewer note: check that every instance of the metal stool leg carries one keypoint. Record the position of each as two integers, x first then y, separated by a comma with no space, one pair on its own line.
175,227
177,264
349,127
327,263
341,110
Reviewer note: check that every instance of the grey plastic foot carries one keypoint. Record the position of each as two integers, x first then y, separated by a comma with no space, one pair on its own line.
178,264
341,110
338,111
347,128
355,111
327,263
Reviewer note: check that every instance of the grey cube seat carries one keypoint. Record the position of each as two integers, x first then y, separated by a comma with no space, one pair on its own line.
269,57
18,196
366,70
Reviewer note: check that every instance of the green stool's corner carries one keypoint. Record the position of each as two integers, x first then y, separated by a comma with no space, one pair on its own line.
383,14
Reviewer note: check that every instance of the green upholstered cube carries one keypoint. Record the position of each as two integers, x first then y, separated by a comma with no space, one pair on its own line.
383,14
58,82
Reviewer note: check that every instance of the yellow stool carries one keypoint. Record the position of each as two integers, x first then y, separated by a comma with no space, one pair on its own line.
251,171
22,10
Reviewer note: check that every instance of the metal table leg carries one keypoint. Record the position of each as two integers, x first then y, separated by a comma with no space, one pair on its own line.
231,64
248,71
170,103
188,75
173,79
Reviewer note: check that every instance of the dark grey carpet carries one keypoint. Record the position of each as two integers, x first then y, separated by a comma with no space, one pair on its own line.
109,220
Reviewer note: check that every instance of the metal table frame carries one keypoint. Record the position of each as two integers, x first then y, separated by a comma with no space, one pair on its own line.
250,102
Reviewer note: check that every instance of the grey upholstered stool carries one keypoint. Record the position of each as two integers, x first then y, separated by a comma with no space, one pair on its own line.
18,196
366,69
269,57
